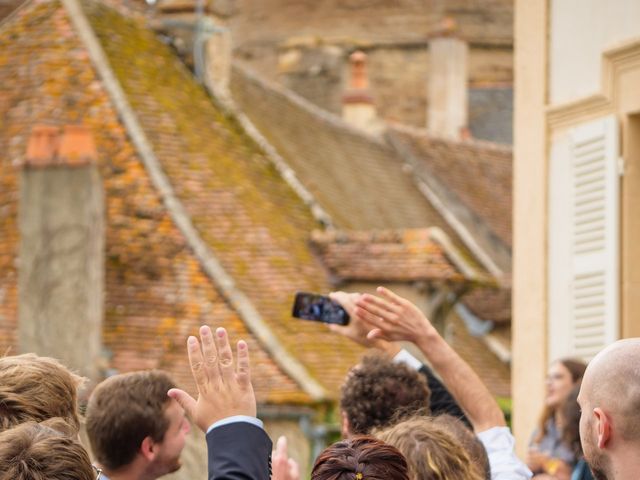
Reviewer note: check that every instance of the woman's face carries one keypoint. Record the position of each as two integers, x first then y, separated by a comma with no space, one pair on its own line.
559,384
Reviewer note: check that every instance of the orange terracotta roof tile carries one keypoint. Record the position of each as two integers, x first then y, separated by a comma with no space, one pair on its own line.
494,373
490,304
387,255
156,291
479,173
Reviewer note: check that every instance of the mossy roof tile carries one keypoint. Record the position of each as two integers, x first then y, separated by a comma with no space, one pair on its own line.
156,290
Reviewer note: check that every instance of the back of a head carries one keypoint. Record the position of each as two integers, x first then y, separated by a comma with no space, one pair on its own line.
122,411
468,441
432,452
41,451
612,382
34,388
378,392
360,458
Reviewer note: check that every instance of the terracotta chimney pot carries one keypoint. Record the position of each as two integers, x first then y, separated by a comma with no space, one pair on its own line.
76,146
42,146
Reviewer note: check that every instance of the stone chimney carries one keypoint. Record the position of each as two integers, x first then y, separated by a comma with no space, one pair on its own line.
447,93
61,259
216,48
358,108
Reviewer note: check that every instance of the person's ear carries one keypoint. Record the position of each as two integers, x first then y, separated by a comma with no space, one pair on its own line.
345,426
148,449
604,427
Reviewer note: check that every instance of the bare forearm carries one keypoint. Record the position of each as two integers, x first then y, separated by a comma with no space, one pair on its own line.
463,383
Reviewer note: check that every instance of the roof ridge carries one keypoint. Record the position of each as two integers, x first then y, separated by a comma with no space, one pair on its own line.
322,114
287,173
431,187
8,18
468,142
207,259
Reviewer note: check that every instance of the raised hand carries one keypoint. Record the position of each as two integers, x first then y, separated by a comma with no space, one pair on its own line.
284,468
223,389
392,318
357,330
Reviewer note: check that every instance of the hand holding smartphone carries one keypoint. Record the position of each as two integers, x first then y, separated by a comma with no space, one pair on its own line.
319,308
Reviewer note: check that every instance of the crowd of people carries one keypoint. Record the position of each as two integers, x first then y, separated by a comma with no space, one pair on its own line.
400,418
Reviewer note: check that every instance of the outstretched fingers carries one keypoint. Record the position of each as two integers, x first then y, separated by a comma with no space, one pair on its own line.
186,401
196,361
379,307
391,297
209,353
225,355
244,370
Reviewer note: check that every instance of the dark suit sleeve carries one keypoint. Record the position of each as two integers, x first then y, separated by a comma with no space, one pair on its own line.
239,451
441,400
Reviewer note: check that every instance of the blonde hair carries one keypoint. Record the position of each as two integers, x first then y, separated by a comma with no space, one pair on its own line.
37,388
431,451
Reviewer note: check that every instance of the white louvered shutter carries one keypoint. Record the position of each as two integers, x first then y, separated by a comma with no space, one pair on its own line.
594,238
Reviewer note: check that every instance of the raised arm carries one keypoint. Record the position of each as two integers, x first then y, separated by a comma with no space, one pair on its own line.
238,447
441,400
394,318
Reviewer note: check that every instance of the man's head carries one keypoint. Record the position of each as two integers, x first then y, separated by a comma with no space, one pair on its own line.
378,392
131,419
36,388
48,451
610,401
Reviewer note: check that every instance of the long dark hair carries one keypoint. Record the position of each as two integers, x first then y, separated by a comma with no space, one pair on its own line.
360,458
576,369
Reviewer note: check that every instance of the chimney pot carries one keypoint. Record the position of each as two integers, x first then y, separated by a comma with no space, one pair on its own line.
49,147
76,146
42,146
359,80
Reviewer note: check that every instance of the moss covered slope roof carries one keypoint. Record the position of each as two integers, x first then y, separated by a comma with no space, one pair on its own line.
358,180
252,220
156,291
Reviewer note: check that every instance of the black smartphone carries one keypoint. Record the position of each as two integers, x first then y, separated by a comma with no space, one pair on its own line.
311,306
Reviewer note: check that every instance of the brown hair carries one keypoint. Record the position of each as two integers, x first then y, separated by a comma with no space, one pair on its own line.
571,422
576,370
40,451
360,458
125,409
37,388
431,452
379,392
467,440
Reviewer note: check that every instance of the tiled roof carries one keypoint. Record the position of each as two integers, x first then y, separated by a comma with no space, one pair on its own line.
479,173
8,6
387,255
363,182
358,179
156,290
494,373
490,304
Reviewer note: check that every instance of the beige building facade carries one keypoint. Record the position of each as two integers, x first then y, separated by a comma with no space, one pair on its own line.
576,187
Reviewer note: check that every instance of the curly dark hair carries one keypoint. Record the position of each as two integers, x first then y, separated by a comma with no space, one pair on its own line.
360,458
379,392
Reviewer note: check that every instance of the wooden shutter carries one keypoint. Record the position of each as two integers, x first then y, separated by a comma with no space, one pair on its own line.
594,238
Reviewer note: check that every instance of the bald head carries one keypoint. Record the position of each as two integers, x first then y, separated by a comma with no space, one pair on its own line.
612,383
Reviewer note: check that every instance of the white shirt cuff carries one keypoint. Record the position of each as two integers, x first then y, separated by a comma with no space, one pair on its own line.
403,356
235,419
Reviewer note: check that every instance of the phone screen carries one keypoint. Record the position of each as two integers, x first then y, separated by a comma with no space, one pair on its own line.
311,306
